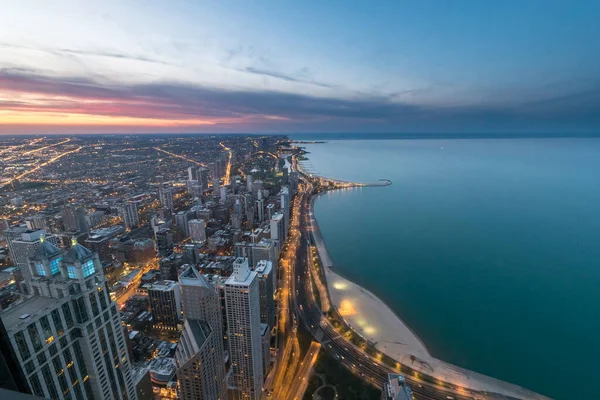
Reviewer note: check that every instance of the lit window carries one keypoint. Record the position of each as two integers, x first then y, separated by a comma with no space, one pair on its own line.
54,265
41,271
72,271
88,268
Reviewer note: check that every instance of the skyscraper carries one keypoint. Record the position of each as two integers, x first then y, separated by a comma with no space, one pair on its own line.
199,355
197,229
74,219
165,196
68,336
165,304
249,183
244,336
265,290
129,213
192,173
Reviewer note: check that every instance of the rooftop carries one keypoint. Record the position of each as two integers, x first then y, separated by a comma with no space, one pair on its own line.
164,285
25,311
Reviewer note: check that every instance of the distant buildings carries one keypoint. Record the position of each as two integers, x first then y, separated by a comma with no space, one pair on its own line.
244,334
165,303
395,388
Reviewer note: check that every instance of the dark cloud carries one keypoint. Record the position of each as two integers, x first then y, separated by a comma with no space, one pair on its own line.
294,112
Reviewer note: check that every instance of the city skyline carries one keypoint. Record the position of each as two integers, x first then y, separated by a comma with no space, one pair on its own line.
286,67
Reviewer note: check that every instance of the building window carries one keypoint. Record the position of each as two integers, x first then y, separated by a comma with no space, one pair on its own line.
72,271
54,265
39,268
88,268
68,316
36,386
35,337
22,345
57,322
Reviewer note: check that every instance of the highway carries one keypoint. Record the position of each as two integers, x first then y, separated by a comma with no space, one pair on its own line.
356,360
180,156
40,166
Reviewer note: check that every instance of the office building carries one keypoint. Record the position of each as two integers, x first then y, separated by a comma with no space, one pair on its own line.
197,228
165,303
192,173
270,211
223,194
129,214
199,355
249,183
36,222
194,188
74,219
165,195
266,290
203,177
182,219
278,231
244,335
164,242
68,336
260,211
98,241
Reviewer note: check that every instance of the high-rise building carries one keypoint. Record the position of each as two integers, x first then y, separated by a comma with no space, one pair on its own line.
197,228
260,211
223,193
244,336
199,355
4,225
164,242
68,336
36,222
11,373
194,188
203,177
165,303
249,183
165,196
270,211
74,219
395,388
192,173
278,231
129,213
182,219
266,289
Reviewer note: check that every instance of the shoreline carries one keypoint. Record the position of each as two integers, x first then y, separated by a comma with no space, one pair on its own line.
413,354
386,317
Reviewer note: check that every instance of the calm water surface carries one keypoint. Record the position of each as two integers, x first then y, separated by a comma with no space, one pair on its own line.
488,249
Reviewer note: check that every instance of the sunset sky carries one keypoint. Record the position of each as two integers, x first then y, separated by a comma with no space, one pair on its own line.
276,66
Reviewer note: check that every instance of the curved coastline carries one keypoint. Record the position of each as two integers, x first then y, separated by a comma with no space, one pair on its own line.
414,353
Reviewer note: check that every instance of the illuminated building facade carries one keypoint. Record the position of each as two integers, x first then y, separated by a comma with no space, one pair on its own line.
68,336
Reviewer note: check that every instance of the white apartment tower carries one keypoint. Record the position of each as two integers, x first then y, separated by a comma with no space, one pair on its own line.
242,305
199,355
